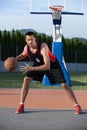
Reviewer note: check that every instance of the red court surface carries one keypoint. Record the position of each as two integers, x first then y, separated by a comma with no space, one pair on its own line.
42,98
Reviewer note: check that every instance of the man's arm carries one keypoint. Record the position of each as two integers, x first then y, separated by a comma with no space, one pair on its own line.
21,57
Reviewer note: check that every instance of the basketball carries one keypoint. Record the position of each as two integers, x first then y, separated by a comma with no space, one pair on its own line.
10,64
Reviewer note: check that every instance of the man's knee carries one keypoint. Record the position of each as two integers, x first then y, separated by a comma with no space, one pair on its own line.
27,80
63,85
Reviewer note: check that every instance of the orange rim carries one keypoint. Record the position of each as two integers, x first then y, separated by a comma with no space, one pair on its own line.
56,8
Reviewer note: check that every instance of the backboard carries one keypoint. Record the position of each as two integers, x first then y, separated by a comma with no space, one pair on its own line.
42,6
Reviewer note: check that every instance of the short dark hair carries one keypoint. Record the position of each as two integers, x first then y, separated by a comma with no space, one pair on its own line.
30,33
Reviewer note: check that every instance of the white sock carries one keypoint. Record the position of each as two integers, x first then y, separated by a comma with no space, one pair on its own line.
21,103
76,105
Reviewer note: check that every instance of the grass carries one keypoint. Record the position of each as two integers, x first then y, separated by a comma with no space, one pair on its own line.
79,80
15,79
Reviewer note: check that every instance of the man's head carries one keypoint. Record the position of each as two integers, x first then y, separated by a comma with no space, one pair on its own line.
30,39
30,34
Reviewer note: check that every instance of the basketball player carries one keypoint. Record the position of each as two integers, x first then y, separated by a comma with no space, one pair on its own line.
44,62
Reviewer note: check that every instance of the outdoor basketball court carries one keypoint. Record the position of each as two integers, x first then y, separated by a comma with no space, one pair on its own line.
44,110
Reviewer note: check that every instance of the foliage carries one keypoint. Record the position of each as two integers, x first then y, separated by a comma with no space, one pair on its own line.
12,44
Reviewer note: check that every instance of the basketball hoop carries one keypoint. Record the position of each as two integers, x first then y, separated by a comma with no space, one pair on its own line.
56,8
56,13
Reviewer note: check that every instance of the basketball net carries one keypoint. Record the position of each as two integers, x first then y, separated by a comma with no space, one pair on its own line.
56,11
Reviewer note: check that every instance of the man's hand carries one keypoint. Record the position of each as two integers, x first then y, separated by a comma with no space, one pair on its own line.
25,68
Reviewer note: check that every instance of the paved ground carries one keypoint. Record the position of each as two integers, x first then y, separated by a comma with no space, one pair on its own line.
44,110
42,119
42,98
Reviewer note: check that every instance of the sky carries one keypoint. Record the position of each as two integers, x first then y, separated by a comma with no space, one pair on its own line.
15,14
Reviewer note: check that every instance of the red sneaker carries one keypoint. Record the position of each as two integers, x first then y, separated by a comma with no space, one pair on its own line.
78,110
20,109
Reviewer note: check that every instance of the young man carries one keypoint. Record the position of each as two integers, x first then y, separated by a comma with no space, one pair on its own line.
44,62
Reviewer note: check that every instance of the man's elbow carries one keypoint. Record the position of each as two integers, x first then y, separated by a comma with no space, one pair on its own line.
48,67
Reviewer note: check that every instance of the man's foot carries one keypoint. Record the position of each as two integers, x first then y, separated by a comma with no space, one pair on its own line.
20,109
78,109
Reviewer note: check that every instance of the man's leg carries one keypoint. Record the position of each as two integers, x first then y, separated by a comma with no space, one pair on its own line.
71,94
24,92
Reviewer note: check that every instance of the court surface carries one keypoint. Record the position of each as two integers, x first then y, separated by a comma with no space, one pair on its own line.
45,109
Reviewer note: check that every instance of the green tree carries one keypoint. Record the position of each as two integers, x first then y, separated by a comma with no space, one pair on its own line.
49,41
0,44
20,42
13,42
4,45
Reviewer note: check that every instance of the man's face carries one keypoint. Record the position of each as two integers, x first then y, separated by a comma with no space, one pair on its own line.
31,41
